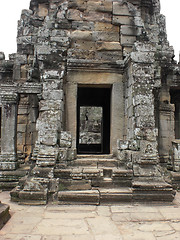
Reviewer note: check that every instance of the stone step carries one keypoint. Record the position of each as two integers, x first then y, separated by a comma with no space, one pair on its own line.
79,197
9,179
98,156
75,185
111,183
117,174
95,196
115,195
152,191
96,162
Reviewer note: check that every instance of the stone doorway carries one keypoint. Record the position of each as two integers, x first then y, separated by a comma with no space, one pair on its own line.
93,120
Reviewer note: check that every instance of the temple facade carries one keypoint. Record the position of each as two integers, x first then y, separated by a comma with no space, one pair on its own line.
90,104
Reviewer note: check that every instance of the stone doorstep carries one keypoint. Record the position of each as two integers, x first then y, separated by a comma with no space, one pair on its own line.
107,156
4,214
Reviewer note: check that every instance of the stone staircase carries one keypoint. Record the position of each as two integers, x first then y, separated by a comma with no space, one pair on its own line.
94,179
91,179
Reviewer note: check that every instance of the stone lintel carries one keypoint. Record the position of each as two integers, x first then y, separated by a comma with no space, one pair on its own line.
35,88
10,98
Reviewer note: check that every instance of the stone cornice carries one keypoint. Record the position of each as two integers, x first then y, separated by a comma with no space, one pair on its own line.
26,88
96,66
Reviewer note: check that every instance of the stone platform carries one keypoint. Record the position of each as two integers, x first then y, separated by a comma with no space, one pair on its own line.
127,221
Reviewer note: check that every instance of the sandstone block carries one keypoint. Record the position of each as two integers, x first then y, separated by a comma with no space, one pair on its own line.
78,4
105,7
22,119
122,20
99,6
106,27
74,14
121,9
109,55
82,25
108,46
79,185
21,128
81,54
97,16
128,30
79,197
42,10
127,40
82,35
106,36
84,45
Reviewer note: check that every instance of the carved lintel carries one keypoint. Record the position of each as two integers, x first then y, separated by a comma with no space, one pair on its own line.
9,98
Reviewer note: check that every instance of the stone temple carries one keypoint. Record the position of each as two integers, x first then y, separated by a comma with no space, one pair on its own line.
90,105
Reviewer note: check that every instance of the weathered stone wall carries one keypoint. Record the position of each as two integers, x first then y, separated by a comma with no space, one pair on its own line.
62,45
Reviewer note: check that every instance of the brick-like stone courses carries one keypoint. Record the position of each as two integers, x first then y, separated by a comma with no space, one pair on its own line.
57,39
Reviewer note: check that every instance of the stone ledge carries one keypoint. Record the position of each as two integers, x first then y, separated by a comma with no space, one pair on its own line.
79,197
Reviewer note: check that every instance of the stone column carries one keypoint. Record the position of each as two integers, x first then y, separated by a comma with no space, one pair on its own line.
8,160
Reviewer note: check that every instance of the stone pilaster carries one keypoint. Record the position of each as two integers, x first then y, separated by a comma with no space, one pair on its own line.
148,179
8,160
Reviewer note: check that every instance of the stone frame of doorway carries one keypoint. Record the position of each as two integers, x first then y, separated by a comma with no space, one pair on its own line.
101,80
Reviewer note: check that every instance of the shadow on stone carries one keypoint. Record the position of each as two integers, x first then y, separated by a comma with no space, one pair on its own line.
4,214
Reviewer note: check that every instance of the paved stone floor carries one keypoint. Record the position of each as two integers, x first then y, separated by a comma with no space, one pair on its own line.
87,222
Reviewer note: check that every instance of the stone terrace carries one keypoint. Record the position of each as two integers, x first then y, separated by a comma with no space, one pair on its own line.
87,222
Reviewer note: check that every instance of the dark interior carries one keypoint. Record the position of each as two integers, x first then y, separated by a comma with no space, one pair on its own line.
175,99
95,97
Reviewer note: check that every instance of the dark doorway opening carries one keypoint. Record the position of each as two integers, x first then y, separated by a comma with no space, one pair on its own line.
0,121
175,99
93,120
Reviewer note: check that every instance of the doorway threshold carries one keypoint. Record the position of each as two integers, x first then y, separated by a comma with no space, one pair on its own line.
107,156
